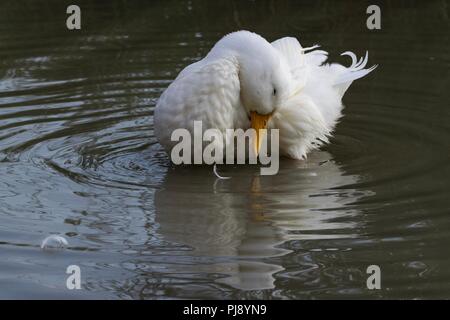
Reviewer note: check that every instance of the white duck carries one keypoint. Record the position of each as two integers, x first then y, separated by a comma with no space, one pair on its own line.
245,81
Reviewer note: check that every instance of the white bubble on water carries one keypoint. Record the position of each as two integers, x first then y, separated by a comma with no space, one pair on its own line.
54,242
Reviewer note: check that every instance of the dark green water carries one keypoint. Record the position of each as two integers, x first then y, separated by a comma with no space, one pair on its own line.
78,158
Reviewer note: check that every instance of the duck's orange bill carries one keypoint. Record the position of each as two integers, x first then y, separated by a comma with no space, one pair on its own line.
258,121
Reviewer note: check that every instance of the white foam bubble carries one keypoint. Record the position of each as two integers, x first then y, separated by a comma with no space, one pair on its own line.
54,242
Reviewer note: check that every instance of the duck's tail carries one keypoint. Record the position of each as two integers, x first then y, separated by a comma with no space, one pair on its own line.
354,72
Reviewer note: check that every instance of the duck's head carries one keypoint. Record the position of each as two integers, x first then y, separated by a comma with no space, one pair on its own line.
265,79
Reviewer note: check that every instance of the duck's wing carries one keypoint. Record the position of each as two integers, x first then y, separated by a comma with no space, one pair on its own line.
207,91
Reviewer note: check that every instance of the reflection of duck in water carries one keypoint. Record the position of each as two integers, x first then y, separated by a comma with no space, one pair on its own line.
242,220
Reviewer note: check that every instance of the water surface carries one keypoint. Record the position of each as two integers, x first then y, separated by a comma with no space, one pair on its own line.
78,158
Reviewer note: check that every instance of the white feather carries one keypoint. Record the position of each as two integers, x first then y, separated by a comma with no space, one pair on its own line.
354,72
292,51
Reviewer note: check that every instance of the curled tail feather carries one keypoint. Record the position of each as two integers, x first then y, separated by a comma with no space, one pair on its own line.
354,72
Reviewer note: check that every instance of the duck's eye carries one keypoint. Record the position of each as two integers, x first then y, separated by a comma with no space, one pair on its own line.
274,92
